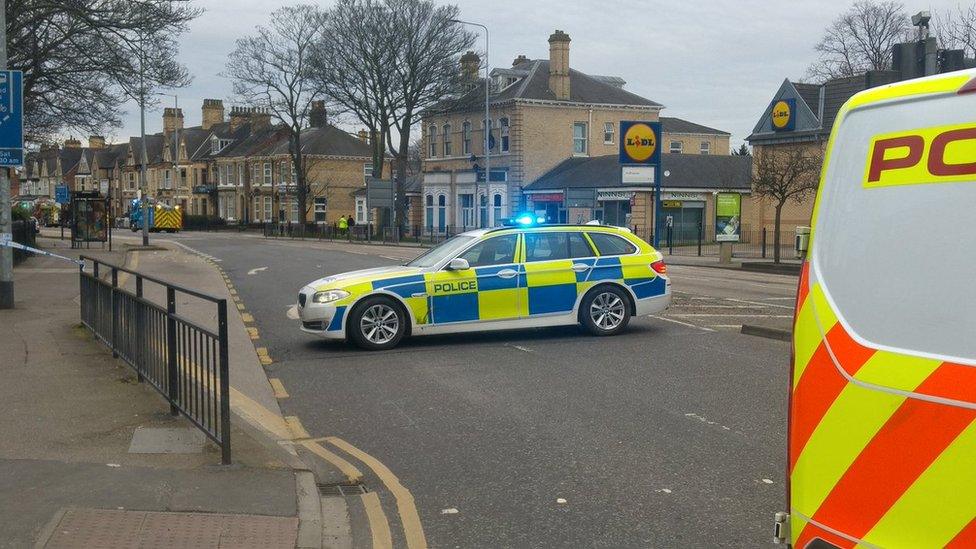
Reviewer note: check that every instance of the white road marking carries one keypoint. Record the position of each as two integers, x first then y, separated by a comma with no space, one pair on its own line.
292,312
709,306
726,326
521,348
706,421
728,315
451,511
664,490
767,481
780,298
560,500
688,324
257,270
759,303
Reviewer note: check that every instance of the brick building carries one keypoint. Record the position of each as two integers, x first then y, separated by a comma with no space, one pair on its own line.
541,113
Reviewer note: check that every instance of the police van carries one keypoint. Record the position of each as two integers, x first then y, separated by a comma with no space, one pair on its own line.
495,279
882,417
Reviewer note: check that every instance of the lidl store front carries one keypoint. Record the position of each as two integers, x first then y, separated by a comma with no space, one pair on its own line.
591,188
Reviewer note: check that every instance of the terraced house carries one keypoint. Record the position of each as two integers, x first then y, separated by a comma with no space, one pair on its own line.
541,112
256,179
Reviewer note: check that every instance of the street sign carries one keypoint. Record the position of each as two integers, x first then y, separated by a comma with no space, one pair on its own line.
379,194
61,194
11,118
640,142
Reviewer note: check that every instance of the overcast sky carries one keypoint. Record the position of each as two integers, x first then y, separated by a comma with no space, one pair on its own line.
716,63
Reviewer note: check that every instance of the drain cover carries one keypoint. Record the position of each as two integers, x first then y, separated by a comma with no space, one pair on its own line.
342,489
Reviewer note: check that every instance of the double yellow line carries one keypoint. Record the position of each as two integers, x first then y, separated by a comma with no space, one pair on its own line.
379,525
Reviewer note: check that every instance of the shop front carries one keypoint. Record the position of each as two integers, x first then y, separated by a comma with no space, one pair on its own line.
549,205
686,213
614,207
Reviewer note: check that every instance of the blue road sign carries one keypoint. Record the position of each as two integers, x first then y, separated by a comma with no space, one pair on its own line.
11,118
61,194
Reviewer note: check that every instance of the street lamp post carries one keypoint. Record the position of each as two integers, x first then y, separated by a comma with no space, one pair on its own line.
487,124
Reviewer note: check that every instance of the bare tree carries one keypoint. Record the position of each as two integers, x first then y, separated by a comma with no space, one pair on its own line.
785,174
385,61
956,29
80,58
354,62
273,70
860,39
426,71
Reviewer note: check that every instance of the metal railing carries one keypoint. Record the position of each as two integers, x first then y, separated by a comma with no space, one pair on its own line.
700,241
185,362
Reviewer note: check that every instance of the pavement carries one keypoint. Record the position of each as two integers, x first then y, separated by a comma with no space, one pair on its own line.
670,434
91,457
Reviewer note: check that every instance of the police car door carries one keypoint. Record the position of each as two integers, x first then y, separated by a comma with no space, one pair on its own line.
487,291
556,264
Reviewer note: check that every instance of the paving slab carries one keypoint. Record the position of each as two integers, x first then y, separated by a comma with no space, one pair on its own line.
162,440
110,528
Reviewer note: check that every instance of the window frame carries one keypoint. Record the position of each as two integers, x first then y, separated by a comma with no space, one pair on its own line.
705,148
503,124
446,138
584,139
483,241
466,137
596,248
432,141
609,129
676,150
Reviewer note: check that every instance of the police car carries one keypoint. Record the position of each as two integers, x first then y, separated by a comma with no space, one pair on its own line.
520,276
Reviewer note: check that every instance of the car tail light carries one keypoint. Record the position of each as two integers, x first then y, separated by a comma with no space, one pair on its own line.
659,267
970,87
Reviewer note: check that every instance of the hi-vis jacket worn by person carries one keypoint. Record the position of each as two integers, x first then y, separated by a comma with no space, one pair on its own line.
882,433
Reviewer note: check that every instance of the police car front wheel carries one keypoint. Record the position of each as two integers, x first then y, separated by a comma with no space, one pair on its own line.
377,323
605,311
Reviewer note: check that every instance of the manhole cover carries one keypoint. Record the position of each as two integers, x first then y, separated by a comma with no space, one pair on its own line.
342,489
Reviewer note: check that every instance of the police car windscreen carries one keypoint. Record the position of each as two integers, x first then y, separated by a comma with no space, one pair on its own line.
895,240
447,249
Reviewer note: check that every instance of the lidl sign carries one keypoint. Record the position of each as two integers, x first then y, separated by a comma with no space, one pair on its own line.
783,114
640,142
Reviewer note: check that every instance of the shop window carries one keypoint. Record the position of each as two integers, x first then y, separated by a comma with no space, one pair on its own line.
579,138
705,148
675,147
608,133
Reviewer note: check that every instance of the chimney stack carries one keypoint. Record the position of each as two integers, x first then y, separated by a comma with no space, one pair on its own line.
96,142
72,143
519,60
238,117
172,119
559,65
363,136
318,116
260,119
470,65
213,113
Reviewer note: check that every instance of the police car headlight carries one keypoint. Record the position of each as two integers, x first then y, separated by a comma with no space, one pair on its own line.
329,296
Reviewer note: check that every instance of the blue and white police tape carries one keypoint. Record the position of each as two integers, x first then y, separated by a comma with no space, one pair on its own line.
17,245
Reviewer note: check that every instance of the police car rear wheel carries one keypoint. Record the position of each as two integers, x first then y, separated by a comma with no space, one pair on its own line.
377,324
605,311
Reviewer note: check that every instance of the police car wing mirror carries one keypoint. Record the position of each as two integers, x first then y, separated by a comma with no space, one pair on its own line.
458,264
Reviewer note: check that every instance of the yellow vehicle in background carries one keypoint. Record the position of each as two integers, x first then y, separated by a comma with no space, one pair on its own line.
161,217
